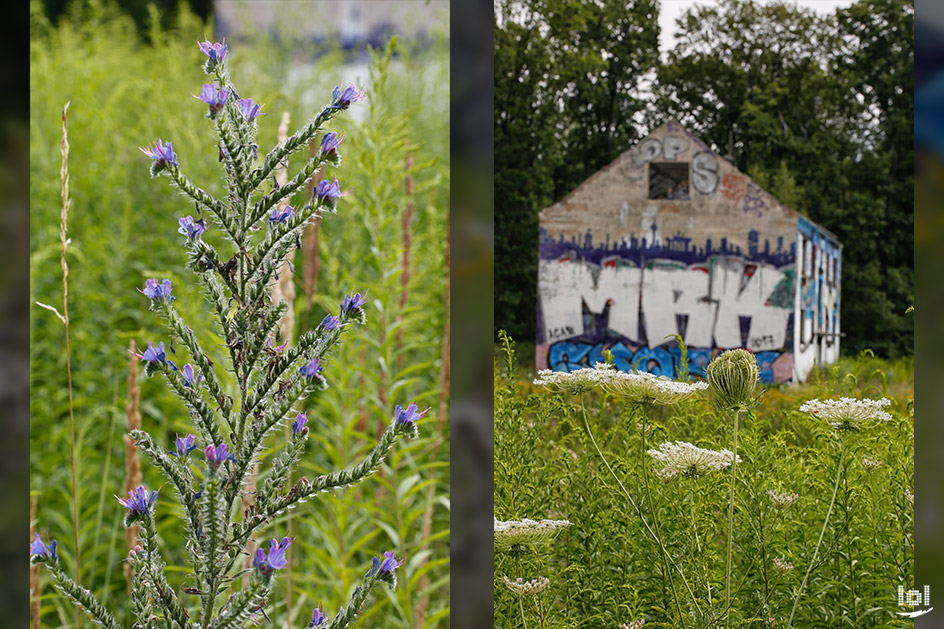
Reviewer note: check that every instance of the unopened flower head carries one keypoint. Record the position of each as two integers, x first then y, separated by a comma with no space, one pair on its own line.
642,386
526,532
690,460
848,413
342,99
733,376
249,109
782,566
279,216
870,464
191,228
267,563
526,588
215,51
184,446
214,96
782,500
40,551
666,474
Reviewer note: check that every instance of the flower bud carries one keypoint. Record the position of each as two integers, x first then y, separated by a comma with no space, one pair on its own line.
732,377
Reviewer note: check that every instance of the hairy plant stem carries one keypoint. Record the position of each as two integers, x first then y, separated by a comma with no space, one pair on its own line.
832,501
727,579
666,558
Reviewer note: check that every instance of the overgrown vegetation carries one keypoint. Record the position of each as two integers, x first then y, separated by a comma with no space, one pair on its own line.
120,91
605,568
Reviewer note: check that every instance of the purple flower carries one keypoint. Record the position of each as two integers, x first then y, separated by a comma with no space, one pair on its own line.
249,109
342,99
138,500
385,569
312,370
298,426
214,96
191,228
330,191
217,454
267,564
157,292
330,322
191,380
215,51
317,618
161,152
39,549
280,216
351,303
154,355
406,419
275,350
184,445
329,146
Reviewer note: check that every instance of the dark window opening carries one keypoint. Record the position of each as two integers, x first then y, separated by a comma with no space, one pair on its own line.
668,181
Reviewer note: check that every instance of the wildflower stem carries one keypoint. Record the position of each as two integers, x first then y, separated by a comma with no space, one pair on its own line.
727,580
82,597
665,553
524,620
842,451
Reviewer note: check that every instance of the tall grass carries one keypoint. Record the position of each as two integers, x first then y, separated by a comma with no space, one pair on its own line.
120,92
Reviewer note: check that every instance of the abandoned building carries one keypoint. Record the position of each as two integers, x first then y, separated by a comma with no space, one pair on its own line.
671,239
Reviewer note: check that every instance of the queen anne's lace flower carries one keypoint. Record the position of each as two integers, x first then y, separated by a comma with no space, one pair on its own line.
690,460
848,413
870,464
909,495
526,532
636,624
643,386
526,588
577,381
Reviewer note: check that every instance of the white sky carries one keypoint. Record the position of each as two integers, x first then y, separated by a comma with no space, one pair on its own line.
672,9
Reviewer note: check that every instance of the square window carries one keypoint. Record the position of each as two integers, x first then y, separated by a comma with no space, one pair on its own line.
668,180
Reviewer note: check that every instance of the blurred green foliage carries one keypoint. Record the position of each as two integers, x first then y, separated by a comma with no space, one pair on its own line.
122,225
605,569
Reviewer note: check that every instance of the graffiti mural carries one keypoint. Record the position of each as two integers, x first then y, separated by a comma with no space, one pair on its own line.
630,295
819,269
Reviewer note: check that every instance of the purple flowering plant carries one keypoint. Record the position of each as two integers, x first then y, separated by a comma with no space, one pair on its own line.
238,407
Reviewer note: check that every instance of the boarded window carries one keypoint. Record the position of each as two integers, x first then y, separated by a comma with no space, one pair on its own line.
668,180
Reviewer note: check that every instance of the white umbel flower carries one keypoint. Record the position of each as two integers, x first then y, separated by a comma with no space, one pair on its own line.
636,624
526,532
526,588
642,386
577,381
870,464
909,495
690,460
848,413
